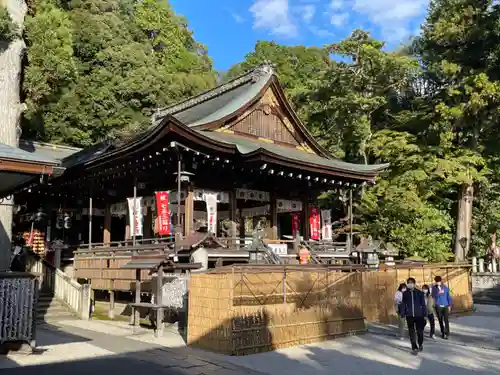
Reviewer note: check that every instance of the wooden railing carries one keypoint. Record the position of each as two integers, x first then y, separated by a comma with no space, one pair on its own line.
52,280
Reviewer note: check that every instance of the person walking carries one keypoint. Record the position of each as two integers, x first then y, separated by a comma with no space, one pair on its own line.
414,309
442,299
429,301
398,299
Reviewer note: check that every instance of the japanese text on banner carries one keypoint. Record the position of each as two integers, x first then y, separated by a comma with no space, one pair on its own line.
135,220
315,223
163,213
295,224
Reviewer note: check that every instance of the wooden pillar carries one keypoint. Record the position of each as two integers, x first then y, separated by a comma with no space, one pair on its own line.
274,216
107,225
242,228
148,224
159,302
307,228
111,311
91,209
233,217
188,211
127,228
137,315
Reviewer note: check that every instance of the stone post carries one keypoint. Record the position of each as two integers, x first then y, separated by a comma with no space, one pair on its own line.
474,264
481,265
85,303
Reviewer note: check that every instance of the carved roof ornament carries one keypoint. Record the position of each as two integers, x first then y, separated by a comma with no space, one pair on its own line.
262,70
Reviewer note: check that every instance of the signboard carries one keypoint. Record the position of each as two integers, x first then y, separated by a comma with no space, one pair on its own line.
163,213
326,224
135,220
279,248
314,223
211,201
295,224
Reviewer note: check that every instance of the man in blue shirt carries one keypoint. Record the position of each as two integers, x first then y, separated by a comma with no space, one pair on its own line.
442,299
414,309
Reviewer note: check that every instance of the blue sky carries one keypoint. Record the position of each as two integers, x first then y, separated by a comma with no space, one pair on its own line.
230,28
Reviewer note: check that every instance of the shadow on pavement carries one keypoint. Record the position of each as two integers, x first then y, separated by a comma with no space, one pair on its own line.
370,354
49,334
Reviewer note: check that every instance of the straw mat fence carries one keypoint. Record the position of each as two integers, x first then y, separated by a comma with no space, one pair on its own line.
241,310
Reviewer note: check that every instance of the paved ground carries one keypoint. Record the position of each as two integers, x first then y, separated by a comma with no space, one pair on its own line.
78,347
473,346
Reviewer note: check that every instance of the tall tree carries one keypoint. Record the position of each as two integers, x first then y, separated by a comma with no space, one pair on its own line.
458,48
354,94
12,46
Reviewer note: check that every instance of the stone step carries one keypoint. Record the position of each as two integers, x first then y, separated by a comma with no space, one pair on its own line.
50,309
487,301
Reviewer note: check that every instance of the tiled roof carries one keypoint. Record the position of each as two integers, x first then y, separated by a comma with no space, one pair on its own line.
15,153
246,145
47,150
219,102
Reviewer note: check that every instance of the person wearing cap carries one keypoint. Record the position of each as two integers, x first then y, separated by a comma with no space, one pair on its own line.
442,299
414,309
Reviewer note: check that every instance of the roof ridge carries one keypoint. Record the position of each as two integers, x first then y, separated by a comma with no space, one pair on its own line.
27,141
262,70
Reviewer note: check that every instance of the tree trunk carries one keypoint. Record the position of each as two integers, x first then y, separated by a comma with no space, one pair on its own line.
464,222
11,56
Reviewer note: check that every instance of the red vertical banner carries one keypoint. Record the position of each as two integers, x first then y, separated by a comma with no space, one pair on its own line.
314,223
163,213
295,224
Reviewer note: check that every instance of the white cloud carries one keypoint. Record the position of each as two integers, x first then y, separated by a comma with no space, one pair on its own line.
339,20
308,11
392,17
237,18
336,4
273,15
322,33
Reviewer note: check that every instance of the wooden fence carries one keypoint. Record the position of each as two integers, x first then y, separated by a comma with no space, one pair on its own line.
242,310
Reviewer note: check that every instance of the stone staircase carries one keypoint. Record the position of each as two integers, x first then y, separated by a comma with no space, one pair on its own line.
50,309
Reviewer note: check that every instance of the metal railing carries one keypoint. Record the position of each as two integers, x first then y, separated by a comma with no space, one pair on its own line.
54,281
18,299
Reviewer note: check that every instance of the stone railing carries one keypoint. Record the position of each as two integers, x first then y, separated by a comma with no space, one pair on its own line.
52,280
486,281
481,265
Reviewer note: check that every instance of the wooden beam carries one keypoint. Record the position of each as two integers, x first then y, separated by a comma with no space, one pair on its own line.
25,167
148,224
307,228
274,216
233,215
188,211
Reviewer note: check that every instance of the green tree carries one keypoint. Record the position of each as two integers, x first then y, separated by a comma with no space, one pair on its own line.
8,30
353,95
458,49
111,64
298,69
